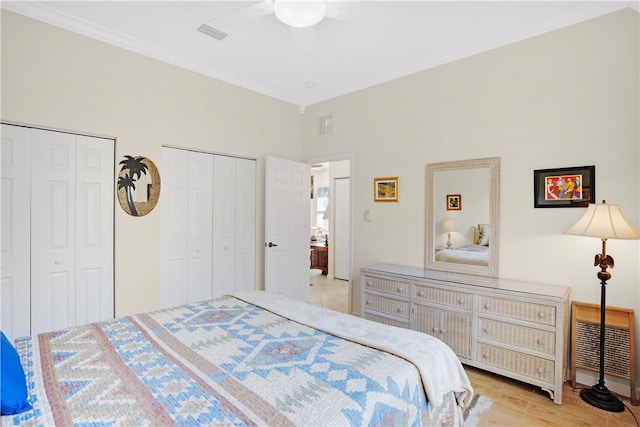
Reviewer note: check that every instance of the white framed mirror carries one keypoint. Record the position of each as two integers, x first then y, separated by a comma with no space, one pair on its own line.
463,216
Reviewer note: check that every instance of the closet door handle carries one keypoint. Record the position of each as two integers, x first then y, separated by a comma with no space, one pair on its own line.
271,245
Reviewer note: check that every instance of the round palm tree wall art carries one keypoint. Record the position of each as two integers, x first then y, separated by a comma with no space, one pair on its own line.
138,185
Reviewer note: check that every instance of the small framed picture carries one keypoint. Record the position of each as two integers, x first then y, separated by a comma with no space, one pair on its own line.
573,187
386,189
454,202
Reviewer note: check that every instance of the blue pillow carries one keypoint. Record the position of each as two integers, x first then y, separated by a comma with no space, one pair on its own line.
13,385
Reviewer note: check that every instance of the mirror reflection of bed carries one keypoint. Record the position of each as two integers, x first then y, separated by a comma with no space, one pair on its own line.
475,251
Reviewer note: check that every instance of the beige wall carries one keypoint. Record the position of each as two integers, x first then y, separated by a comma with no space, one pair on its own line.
57,79
567,98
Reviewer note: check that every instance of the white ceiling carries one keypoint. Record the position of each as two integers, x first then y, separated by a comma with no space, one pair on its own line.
359,44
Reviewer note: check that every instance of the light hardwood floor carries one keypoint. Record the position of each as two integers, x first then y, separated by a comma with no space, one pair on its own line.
514,403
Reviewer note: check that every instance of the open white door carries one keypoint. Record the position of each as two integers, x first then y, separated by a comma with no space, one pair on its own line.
286,217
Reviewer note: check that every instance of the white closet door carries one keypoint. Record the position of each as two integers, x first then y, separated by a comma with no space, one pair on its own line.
174,220
15,295
200,211
342,229
224,225
53,203
94,229
245,224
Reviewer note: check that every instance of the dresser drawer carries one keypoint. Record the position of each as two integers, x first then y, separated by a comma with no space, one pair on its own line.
446,297
518,336
513,361
385,320
391,287
386,305
515,309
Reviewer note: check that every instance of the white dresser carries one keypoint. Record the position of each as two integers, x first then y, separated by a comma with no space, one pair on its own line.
513,328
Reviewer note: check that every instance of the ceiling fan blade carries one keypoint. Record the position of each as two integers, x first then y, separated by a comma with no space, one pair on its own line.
256,11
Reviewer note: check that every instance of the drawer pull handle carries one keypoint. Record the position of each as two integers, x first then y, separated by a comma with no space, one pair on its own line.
540,341
487,306
541,314
486,330
369,283
398,310
443,331
368,302
486,355
399,289
461,301
540,370
420,293
435,329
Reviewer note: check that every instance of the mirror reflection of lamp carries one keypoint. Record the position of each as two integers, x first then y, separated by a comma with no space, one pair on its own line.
448,225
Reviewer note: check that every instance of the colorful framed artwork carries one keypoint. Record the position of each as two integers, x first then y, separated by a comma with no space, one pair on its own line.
386,189
573,187
454,202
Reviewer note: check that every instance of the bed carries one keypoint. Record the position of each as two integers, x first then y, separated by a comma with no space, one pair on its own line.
247,359
475,254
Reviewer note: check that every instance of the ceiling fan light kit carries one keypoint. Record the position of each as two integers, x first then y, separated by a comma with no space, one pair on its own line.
300,13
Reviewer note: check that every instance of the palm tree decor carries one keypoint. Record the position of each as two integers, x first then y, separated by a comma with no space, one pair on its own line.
132,170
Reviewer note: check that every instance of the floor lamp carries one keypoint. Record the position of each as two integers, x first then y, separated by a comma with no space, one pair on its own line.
606,222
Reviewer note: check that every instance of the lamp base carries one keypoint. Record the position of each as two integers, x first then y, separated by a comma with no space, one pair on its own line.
600,397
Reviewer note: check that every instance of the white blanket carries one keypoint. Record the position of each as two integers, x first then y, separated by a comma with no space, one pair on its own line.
439,367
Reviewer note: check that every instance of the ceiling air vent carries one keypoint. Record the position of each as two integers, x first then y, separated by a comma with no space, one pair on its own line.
212,32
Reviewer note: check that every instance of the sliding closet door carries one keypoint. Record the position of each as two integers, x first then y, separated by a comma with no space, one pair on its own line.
224,225
173,223
94,229
186,225
199,226
233,225
53,294
71,230
15,294
245,224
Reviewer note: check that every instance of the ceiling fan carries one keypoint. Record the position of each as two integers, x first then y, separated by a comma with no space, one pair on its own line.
295,13
301,16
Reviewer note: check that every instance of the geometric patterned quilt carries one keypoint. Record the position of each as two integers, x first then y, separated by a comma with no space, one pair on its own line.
222,361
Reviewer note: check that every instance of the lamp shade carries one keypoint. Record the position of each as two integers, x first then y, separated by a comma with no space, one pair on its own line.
448,225
603,221
300,13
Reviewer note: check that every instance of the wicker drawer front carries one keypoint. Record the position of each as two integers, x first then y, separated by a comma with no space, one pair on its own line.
391,287
444,297
512,361
386,305
385,320
514,309
520,336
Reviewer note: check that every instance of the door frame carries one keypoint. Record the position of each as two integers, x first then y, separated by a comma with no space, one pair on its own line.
337,158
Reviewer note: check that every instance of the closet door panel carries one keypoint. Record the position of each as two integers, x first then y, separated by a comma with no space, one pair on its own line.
245,224
174,220
52,231
94,229
15,269
200,226
224,224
